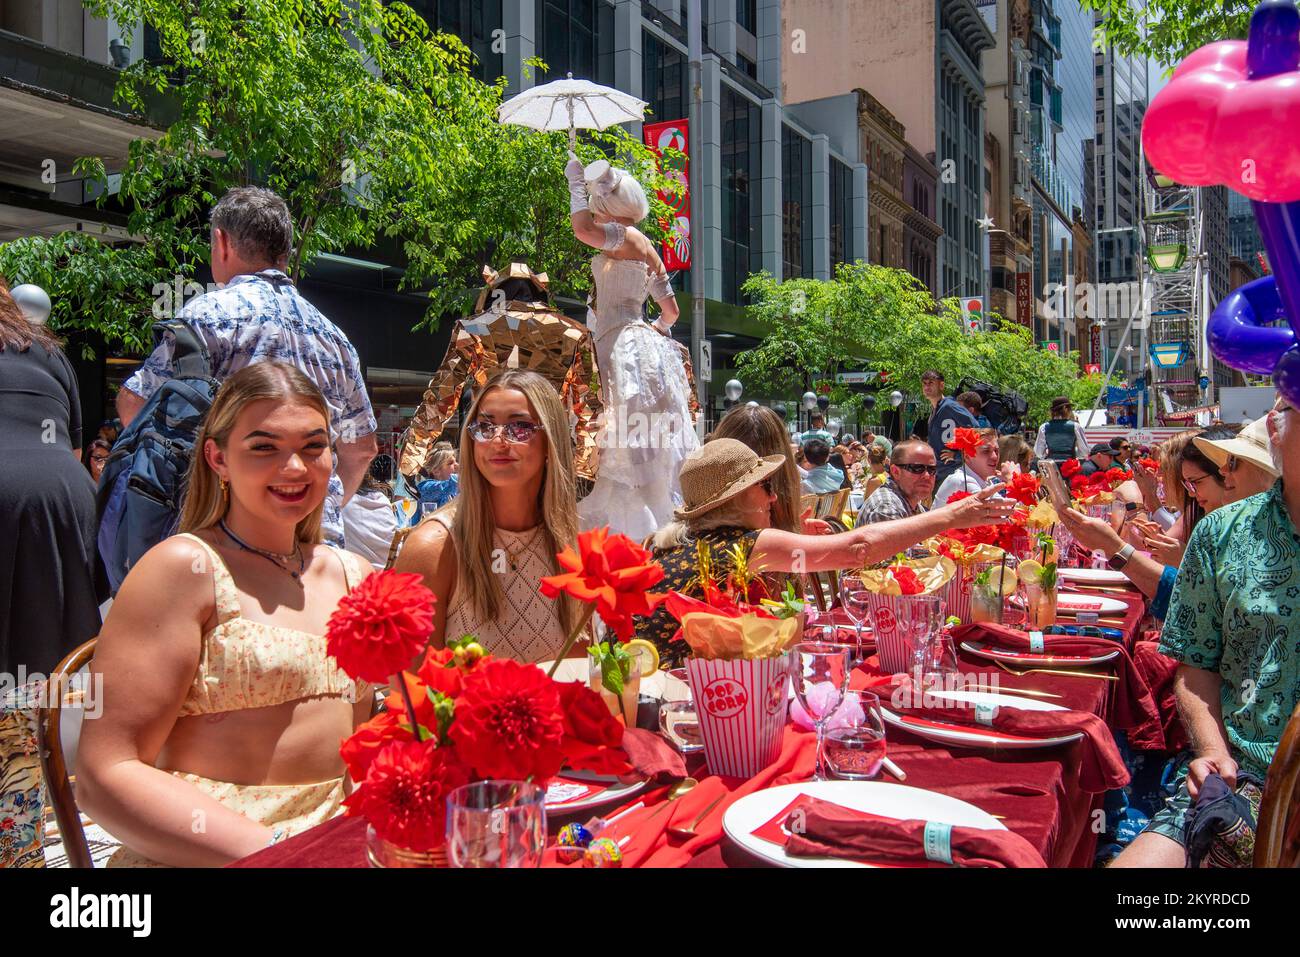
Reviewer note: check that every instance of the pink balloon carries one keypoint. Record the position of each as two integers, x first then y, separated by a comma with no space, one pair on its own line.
1212,126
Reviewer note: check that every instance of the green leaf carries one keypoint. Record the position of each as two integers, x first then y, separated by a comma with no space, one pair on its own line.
611,674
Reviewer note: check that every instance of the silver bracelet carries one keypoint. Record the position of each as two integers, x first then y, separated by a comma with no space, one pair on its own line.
277,835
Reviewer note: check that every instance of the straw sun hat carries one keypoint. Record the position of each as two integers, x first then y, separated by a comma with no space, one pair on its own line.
717,472
1248,445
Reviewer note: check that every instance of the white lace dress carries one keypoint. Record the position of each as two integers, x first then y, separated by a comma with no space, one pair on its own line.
647,429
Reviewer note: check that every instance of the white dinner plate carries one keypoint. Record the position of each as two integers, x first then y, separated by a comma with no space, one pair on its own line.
1034,659
1093,576
873,797
608,794
1069,604
984,738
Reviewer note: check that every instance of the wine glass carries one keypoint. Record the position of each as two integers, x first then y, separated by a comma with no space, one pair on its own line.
496,824
820,674
920,617
856,605
856,749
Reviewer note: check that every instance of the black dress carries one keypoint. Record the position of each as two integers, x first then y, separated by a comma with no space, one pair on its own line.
51,583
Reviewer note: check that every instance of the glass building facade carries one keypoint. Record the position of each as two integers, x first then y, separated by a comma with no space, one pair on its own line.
796,204
471,20
741,203
576,36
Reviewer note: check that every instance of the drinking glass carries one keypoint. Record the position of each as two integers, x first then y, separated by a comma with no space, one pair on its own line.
1040,605
987,602
496,824
427,509
855,752
679,723
820,674
920,617
856,604
624,705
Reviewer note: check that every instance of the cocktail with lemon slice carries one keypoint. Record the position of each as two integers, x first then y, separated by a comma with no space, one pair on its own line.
615,670
992,585
1038,585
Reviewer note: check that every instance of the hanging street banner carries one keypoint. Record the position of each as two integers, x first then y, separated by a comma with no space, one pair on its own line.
672,134
1024,299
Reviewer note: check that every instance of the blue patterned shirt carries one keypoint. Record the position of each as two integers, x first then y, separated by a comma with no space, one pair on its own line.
261,317
1236,611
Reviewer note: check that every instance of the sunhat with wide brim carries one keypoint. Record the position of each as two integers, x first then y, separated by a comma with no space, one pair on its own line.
1248,445
717,472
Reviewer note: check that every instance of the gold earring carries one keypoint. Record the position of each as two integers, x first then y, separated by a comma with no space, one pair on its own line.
225,489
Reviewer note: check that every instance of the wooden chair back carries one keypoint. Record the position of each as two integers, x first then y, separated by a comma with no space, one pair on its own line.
1277,833
54,763
398,541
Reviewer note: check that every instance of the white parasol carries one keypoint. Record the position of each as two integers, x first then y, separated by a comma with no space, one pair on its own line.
571,105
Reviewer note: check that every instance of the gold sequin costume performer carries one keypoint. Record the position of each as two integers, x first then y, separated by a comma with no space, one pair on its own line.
514,326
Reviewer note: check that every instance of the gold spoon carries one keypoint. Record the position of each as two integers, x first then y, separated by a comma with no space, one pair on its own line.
686,833
682,787
1052,671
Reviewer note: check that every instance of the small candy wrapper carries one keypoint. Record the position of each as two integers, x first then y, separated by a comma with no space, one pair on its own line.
741,706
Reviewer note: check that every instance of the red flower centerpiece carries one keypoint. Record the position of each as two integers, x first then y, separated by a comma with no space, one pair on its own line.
1023,487
462,716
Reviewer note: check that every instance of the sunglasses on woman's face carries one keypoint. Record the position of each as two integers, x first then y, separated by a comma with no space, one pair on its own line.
1190,484
917,468
516,433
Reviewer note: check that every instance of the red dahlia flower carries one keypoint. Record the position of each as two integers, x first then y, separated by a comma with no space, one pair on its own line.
613,572
966,441
509,723
404,794
593,738
1070,468
1024,489
380,626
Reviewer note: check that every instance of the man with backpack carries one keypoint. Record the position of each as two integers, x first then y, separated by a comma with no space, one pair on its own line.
256,315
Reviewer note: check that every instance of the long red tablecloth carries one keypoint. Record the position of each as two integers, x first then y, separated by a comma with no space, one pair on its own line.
1036,791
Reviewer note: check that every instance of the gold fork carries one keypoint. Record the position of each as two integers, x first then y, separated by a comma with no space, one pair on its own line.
1052,671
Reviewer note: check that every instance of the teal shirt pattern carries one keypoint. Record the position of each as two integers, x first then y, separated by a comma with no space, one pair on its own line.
1236,610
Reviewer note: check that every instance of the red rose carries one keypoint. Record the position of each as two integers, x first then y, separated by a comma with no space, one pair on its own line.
404,794
908,583
1024,489
1070,468
1079,484
593,738
612,571
966,441
380,626
508,721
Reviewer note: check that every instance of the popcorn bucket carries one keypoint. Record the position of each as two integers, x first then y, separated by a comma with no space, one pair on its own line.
957,592
900,621
741,706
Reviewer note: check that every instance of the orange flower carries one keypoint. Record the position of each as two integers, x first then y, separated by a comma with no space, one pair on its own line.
1024,489
380,625
611,571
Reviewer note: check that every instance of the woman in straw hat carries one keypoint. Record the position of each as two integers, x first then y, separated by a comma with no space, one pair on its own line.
728,495
647,429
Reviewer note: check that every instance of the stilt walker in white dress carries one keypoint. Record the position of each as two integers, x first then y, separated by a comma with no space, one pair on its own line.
648,428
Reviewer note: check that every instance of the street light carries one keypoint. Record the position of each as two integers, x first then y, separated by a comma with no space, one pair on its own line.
733,390
895,398
809,401
33,302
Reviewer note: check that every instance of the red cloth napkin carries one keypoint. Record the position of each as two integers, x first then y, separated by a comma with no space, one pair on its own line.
1158,671
831,830
654,758
1134,709
1102,767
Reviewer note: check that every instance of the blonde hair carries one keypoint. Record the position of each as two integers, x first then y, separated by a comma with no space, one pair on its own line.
472,521
440,458
676,534
764,431
205,504
627,200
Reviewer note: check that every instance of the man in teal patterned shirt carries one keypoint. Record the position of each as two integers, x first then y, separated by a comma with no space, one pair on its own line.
1234,626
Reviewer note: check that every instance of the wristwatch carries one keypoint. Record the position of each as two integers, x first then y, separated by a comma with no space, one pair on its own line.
1121,557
